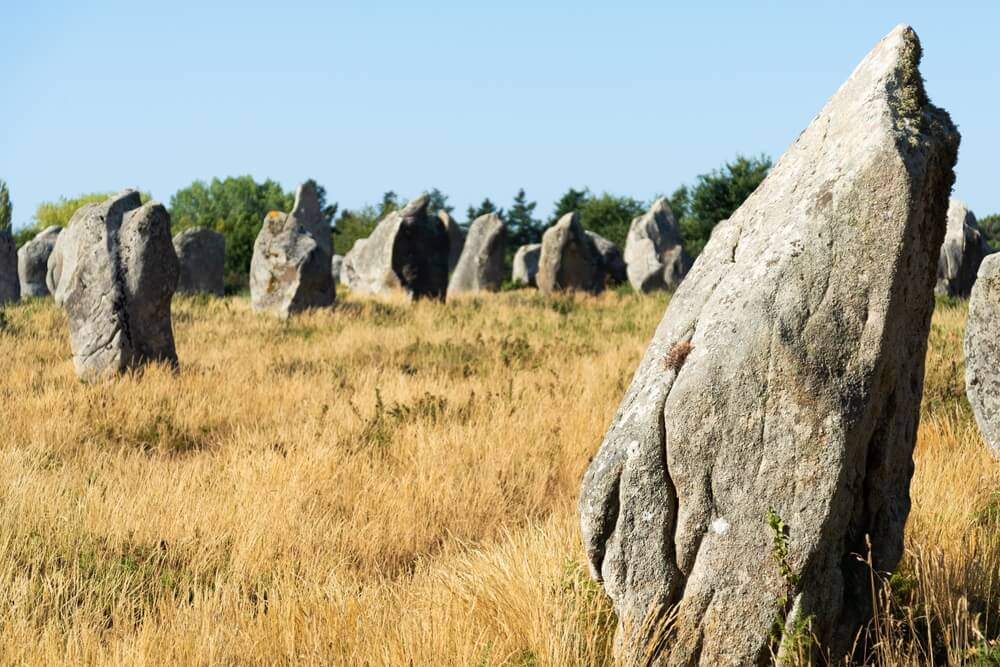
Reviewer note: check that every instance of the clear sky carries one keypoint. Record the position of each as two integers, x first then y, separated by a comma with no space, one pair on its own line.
630,97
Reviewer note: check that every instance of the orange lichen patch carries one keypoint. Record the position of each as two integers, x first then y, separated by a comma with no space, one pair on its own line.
676,356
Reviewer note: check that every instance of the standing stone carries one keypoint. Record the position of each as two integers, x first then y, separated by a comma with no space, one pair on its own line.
481,265
456,238
116,272
783,387
336,267
653,252
526,264
202,256
611,258
33,261
982,352
962,252
407,251
290,268
569,259
10,289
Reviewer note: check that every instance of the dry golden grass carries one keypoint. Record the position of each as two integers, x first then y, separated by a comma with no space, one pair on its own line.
382,483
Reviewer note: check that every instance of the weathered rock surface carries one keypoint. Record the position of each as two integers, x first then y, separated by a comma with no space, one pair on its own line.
982,352
202,256
10,289
962,252
569,259
785,377
33,262
456,238
336,267
611,258
481,266
292,256
408,251
116,271
525,266
653,251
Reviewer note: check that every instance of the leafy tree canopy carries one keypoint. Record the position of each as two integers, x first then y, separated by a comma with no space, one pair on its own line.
6,208
714,197
990,226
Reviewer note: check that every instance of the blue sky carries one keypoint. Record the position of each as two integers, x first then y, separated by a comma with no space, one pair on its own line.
630,97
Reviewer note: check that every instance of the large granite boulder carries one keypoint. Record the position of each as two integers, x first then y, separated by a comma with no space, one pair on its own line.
982,352
653,252
202,256
290,268
10,289
407,251
569,259
456,238
963,250
33,262
768,432
611,258
115,273
525,265
481,266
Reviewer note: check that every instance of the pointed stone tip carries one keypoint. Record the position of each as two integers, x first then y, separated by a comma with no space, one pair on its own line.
569,218
306,194
417,205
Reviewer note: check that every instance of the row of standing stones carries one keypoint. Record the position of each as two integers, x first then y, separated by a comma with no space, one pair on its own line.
784,379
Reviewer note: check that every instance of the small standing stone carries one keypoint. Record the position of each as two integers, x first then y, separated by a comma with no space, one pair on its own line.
569,260
407,251
611,258
653,252
33,262
525,266
481,265
202,256
290,268
962,252
336,267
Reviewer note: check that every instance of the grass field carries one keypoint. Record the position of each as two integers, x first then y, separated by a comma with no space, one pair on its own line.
385,483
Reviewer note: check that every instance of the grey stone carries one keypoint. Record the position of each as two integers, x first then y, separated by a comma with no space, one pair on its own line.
982,352
202,256
10,289
611,258
336,267
456,238
525,266
963,250
654,254
569,260
785,376
407,251
481,266
115,272
290,269
33,262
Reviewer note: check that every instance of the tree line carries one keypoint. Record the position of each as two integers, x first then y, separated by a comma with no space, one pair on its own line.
236,206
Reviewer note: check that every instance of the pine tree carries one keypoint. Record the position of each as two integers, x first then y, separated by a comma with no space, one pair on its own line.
486,207
573,200
522,228
6,208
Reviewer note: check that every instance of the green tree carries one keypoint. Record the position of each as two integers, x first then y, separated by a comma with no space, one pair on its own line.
438,202
573,200
990,226
716,196
6,208
484,208
235,206
610,216
522,226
